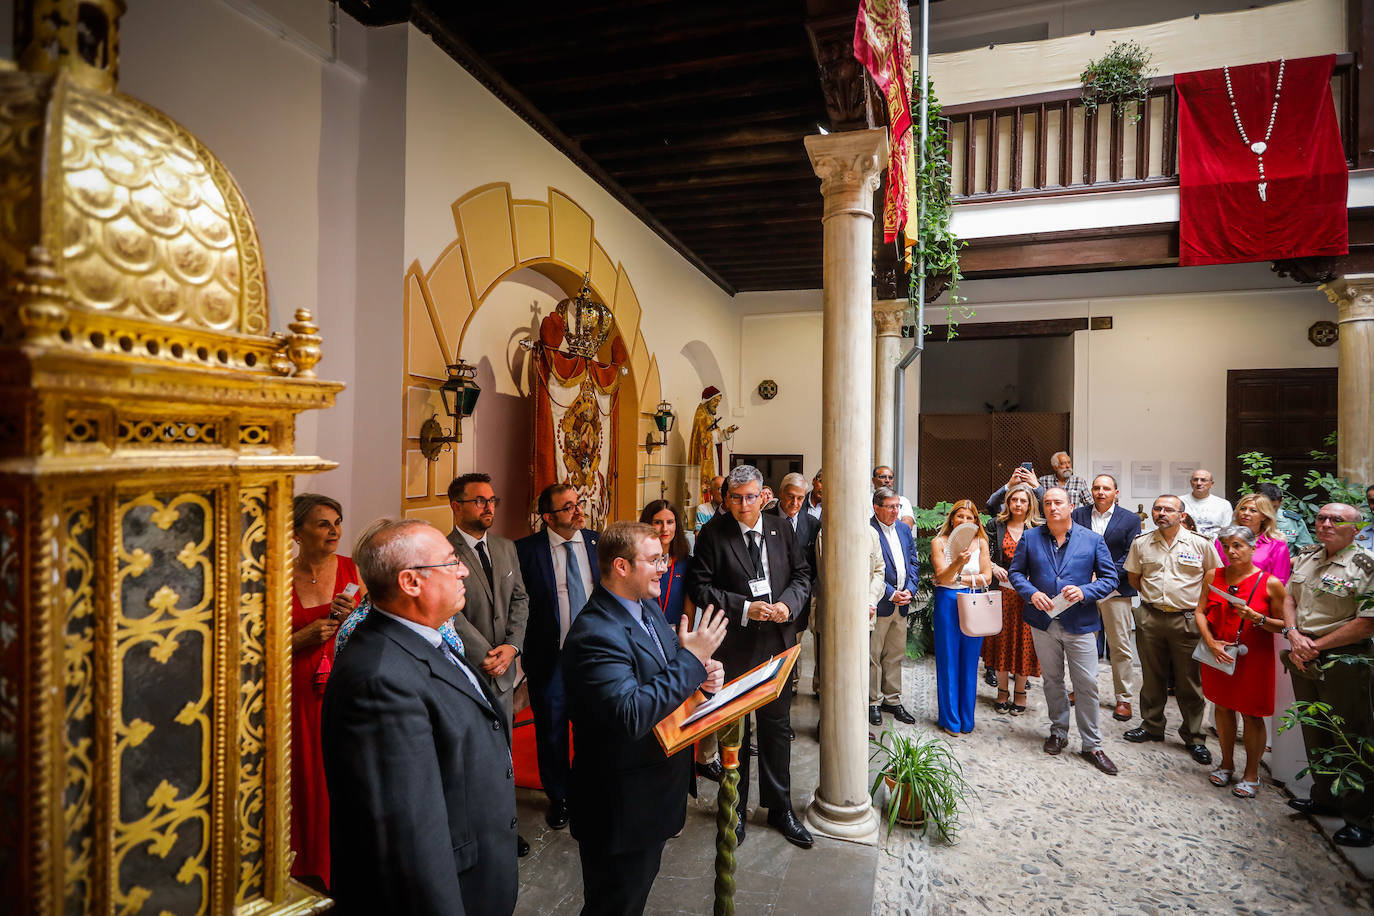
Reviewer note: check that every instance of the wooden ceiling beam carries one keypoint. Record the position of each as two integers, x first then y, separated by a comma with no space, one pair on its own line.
687,163
658,72
724,180
622,105
742,113
554,46
609,151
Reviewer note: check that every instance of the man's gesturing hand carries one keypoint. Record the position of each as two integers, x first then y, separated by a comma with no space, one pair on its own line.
706,638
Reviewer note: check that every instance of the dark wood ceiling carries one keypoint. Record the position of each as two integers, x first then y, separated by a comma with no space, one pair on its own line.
690,112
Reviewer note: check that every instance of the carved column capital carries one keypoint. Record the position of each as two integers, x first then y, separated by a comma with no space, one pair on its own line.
849,165
1353,296
887,317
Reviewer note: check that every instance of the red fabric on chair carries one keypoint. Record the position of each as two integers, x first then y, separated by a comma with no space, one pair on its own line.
1222,219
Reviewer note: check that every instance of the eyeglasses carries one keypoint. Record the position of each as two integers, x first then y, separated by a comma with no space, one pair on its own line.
570,506
481,501
747,498
661,561
438,565
1334,519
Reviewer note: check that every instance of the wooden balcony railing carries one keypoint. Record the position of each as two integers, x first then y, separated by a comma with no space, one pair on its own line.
1047,144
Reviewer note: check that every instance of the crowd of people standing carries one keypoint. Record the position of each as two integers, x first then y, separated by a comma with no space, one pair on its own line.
613,631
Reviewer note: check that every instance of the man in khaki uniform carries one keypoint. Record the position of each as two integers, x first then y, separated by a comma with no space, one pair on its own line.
1329,610
1169,567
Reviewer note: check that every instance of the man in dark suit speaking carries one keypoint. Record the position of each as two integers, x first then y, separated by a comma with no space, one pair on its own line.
624,671
411,739
753,568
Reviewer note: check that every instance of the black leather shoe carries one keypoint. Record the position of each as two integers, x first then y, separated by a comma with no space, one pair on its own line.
753,748
1139,735
1353,835
739,831
558,814
898,712
989,677
1308,806
522,848
1200,753
712,771
788,825
791,735
875,716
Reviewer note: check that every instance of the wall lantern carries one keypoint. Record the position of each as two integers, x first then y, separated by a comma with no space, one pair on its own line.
663,421
459,392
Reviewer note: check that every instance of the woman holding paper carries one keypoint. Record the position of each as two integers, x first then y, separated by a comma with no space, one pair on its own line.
1257,513
1241,609
962,561
1011,653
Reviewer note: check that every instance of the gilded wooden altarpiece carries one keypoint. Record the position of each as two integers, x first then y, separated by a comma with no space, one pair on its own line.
147,460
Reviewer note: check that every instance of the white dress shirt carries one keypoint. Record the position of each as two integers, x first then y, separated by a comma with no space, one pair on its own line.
472,542
560,574
431,636
1102,519
894,544
763,553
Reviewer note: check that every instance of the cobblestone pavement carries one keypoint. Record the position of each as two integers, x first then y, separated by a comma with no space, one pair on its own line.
1053,835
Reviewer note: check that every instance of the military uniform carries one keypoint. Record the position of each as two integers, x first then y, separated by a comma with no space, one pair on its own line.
1172,577
1326,594
1294,530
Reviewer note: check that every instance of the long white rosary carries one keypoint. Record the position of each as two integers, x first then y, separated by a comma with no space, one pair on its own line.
1259,146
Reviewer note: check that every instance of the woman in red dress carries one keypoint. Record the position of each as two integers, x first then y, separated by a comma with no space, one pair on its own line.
1248,690
318,605
1011,653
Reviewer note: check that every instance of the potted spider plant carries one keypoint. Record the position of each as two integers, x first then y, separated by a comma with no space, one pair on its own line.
925,781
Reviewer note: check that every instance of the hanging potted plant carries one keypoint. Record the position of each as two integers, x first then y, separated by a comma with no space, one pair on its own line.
1119,77
925,781
934,238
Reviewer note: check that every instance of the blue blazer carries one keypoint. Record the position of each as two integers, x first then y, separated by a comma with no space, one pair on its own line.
1122,528
908,558
539,655
1085,555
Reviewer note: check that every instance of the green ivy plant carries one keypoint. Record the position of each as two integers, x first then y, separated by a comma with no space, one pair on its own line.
1119,77
934,239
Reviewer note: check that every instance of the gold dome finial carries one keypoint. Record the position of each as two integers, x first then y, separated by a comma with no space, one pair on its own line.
78,37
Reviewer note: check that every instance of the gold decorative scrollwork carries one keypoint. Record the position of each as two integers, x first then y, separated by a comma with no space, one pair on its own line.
147,431
252,732
83,426
11,691
79,737
163,641
255,434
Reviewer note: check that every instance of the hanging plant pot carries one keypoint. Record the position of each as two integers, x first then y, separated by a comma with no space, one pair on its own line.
909,810
935,285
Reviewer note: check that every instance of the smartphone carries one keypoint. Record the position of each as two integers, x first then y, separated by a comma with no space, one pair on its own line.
1026,465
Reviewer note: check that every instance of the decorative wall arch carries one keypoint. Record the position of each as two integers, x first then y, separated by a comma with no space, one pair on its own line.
495,236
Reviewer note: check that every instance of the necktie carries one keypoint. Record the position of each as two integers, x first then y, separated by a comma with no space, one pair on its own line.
756,553
658,644
577,592
486,564
451,638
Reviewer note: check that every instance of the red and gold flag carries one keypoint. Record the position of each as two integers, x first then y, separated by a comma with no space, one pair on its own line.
882,43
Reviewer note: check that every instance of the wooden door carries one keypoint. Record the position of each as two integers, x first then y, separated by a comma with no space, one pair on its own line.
1284,413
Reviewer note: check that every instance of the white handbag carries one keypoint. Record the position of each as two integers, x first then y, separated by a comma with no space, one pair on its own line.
980,612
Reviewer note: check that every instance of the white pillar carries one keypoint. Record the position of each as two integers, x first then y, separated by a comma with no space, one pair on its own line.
887,324
848,165
1354,298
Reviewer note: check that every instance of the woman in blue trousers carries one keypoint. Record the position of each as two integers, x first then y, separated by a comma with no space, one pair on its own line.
956,655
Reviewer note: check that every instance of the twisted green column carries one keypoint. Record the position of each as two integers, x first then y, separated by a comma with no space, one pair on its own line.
726,818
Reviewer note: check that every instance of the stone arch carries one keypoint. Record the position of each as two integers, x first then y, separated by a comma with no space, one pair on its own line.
495,236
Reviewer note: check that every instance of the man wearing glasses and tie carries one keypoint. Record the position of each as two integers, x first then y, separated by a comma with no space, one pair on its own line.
559,569
753,568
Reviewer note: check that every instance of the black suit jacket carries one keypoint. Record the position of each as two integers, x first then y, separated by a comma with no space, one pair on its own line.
539,655
808,528
421,788
721,570
1122,528
624,792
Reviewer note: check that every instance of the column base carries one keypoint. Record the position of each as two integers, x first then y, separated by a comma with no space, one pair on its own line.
851,823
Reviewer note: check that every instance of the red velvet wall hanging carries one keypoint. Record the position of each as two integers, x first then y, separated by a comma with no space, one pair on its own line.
1222,217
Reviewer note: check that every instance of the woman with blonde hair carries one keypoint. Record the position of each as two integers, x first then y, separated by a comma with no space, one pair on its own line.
1011,653
1256,512
956,655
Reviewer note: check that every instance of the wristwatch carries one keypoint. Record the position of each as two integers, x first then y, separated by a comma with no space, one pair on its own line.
1285,631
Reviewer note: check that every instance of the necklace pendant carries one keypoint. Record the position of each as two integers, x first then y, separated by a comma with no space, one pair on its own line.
1262,186
1258,147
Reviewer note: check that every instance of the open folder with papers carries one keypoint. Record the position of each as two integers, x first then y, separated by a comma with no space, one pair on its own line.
700,715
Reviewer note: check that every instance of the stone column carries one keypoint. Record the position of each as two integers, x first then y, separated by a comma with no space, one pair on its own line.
1353,295
887,324
848,165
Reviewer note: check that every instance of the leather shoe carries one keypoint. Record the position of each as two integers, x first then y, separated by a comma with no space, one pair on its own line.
899,713
1354,835
1200,753
1139,735
712,771
875,717
1122,713
788,825
558,814
791,735
522,848
1100,760
739,831
1308,806
1071,701
1054,744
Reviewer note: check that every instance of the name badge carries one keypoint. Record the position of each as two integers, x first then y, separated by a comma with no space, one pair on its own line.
759,588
